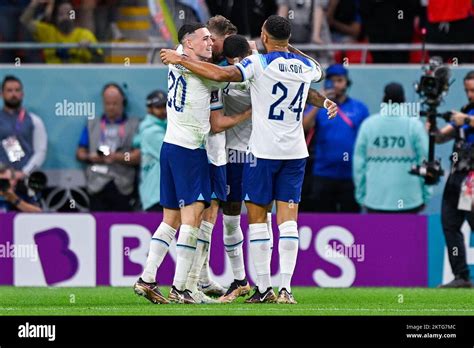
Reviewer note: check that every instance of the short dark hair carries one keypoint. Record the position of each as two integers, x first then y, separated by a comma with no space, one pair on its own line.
394,92
188,29
221,26
236,46
469,76
10,78
278,27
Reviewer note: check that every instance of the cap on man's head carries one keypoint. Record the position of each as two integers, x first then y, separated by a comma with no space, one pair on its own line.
156,99
394,92
336,70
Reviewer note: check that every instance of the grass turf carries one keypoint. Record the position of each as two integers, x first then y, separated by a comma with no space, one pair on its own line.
312,301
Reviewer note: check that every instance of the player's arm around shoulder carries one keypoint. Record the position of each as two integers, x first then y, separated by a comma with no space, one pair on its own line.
317,66
203,69
220,123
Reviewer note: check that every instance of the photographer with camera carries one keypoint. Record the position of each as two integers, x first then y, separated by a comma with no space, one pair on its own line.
106,146
458,196
14,195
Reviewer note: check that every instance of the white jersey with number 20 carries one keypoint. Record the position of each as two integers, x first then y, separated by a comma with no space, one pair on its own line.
188,108
279,84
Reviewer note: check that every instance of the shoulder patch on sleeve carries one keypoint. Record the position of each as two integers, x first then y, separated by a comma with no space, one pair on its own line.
246,62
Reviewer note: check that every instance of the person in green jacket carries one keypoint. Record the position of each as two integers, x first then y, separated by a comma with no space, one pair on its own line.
387,145
149,139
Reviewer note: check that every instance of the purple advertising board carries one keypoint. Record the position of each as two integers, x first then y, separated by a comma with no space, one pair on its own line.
110,249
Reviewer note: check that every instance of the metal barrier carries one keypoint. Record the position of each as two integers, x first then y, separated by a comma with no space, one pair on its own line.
153,48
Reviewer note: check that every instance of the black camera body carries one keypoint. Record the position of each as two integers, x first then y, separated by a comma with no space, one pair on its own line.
37,181
430,171
4,185
433,86
33,185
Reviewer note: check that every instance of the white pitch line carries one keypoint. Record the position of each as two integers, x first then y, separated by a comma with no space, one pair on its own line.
177,308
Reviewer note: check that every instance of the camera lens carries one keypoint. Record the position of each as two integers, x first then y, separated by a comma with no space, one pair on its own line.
37,181
4,185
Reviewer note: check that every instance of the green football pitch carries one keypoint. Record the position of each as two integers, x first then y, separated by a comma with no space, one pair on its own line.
311,301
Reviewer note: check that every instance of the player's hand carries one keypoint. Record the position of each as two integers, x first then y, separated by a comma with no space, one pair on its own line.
170,56
458,117
253,45
331,107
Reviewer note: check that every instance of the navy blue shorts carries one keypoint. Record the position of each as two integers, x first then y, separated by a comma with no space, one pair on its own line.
218,182
269,180
185,176
235,173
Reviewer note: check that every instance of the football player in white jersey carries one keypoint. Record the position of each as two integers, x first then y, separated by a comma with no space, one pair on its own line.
185,180
235,49
280,85
217,156
236,101
220,28
215,148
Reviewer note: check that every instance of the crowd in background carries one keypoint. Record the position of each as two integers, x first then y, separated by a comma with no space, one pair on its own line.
314,21
120,152
350,155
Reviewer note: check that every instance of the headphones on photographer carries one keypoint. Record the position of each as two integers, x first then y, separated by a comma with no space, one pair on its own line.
120,89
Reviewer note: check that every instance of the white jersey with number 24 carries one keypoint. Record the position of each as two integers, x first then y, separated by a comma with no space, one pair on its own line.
279,84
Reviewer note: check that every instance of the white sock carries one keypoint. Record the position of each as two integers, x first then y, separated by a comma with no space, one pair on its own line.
185,250
270,230
259,251
288,250
205,277
202,251
159,246
233,241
